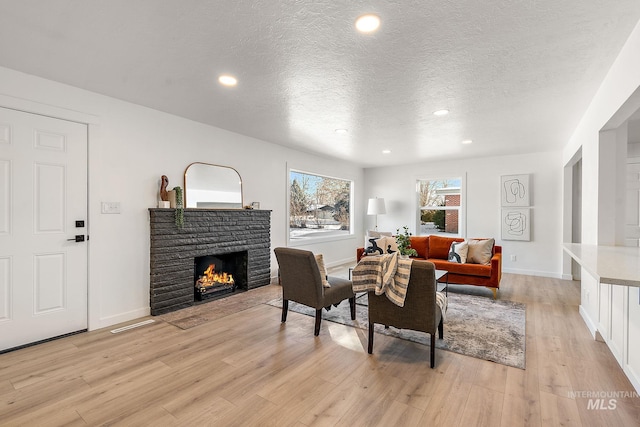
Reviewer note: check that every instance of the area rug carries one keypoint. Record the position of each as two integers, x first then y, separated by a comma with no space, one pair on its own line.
475,326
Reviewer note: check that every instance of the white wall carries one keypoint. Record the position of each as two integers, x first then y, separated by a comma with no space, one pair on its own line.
130,147
622,80
541,256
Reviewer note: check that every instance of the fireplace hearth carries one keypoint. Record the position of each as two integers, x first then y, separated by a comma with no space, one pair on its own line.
216,233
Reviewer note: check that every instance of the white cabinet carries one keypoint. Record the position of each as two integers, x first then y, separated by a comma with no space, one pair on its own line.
604,312
589,297
617,331
612,318
632,367
622,328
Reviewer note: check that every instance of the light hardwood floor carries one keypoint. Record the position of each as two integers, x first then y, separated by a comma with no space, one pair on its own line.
243,367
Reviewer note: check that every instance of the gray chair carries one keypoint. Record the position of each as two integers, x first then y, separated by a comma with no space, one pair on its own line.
420,311
301,282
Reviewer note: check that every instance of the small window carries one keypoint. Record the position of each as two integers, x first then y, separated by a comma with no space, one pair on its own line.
440,205
319,206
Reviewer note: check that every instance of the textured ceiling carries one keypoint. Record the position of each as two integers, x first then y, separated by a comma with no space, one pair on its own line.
516,75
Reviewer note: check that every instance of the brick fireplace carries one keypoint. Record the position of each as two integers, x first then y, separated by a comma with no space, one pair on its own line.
207,233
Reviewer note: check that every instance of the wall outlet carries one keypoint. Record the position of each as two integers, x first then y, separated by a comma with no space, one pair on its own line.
110,207
513,258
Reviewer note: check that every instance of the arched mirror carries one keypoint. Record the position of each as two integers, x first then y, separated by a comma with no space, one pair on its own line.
212,187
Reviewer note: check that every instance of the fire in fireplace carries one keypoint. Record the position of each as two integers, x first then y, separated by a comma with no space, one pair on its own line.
214,281
216,275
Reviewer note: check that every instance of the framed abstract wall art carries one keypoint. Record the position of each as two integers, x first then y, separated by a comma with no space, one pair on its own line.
516,224
515,190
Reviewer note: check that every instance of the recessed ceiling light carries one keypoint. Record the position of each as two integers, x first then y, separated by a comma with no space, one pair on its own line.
442,112
467,141
341,131
368,23
227,80
386,151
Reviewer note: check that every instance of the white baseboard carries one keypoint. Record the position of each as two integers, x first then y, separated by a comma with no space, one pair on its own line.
105,322
591,325
533,273
617,352
633,376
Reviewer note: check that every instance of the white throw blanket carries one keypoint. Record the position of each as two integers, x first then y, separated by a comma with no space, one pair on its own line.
386,274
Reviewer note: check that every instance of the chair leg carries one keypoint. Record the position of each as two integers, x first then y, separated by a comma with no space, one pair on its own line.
433,350
440,329
352,304
370,349
285,309
316,332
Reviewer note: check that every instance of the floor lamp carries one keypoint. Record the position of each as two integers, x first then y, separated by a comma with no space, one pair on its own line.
376,207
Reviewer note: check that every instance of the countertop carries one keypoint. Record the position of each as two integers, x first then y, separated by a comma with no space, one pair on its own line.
616,265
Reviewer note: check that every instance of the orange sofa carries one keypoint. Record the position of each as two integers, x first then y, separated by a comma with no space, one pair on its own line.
435,249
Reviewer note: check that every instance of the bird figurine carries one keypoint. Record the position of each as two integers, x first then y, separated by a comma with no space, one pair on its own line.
164,195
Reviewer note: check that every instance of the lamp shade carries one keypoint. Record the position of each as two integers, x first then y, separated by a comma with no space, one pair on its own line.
376,207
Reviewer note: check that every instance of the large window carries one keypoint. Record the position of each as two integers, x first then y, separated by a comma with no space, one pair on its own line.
440,206
319,206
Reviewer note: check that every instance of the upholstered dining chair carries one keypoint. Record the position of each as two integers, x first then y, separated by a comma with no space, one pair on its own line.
302,282
420,311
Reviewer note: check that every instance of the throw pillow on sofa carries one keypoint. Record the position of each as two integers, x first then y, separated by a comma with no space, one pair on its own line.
458,252
480,251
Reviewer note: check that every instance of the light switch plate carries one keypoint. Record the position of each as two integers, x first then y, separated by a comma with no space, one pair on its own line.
110,207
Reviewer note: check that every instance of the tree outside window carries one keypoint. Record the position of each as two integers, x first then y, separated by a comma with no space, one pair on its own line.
439,206
319,206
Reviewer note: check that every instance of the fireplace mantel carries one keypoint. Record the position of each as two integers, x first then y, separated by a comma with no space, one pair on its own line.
205,232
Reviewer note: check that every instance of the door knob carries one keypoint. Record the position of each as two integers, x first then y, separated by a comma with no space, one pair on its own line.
78,238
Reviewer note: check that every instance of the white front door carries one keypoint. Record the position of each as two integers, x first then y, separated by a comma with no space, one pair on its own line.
43,192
